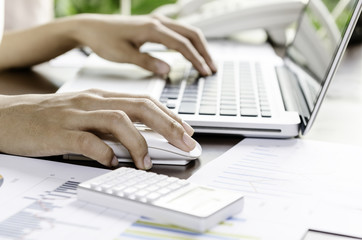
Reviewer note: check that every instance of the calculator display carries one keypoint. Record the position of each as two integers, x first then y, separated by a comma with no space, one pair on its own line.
200,201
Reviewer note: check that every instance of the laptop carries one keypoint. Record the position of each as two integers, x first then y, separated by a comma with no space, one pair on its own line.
255,93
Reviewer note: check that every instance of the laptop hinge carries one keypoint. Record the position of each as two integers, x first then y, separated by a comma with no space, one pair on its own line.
292,94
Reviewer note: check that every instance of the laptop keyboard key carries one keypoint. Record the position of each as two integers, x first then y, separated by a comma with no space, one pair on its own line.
228,112
266,114
207,110
171,104
249,112
187,108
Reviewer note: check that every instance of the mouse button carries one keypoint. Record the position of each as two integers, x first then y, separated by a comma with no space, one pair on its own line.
161,154
155,140
172,152
118,149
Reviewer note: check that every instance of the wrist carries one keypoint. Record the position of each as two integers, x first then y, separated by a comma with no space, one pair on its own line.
74,29
70,28
80,28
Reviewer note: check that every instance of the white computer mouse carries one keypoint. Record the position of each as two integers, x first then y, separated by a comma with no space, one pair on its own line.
158,148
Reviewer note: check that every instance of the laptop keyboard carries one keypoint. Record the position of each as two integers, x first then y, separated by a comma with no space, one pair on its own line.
236,90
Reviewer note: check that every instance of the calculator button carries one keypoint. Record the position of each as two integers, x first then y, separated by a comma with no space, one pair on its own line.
174,186
130,190
152,188
130,182
171,179
141,185
163,191
161,177
162,184
120,194
119,188
141,194
105,187
152,197
95,184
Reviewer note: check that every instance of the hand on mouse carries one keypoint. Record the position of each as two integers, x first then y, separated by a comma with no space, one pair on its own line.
55,124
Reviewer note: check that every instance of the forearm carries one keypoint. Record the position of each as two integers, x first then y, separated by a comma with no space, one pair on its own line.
36,45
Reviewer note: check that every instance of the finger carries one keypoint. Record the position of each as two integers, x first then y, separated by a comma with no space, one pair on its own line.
189,130
146,111
116,101
161,34
120,126
193,34
89,145
147,62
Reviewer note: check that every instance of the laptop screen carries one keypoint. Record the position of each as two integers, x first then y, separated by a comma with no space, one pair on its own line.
322,35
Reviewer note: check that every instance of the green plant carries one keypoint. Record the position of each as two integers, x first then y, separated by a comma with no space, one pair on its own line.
71,7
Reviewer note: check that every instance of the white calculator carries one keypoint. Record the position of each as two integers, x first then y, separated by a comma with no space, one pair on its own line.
167,199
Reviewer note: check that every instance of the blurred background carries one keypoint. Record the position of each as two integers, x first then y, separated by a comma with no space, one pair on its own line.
137,7
70,7
22,14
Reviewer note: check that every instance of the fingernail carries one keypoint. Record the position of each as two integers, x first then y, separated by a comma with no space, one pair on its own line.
190,131
114,161
162,68
189,141
206,70
147,162
213,67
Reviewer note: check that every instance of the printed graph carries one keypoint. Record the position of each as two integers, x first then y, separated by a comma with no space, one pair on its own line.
51,211
259,173
39,201
38,215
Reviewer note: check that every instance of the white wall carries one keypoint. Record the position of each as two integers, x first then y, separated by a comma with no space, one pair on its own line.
20,14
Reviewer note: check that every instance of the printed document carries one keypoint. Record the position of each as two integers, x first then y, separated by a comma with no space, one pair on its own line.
314,183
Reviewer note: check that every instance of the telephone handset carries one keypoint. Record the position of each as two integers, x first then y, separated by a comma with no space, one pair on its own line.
220,18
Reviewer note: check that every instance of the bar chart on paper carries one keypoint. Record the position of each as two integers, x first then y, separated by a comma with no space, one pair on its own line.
42,203
37,216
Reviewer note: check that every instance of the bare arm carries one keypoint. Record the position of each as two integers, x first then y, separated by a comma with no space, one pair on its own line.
36,45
